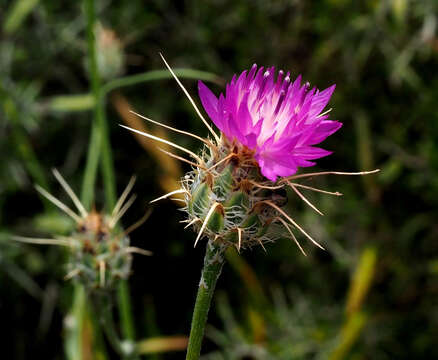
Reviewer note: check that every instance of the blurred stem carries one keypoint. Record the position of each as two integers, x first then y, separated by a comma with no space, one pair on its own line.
73,339
349,334
125,310
213,263
103,307
107,323
159,75
19,10
99,139
99,143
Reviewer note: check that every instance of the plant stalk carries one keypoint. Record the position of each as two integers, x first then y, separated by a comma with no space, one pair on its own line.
100,149
213,263
99,139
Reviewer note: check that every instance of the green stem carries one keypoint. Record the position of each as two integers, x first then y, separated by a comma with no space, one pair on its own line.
108,326
103,307
125,310
99,139
159,75
100,145
213,263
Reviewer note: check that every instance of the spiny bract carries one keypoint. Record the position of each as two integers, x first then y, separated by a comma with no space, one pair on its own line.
99,251
99,256
223,201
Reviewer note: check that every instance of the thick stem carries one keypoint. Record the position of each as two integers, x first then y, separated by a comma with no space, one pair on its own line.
213,262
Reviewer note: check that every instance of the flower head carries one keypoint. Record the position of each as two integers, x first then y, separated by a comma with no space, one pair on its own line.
99,251
269,128
279,120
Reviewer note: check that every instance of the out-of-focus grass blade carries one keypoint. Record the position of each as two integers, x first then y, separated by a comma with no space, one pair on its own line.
74,324
84,102
399,9
361,281
125,309
433,267
160,75
256,294
18,12
365,155
248,276
71,103
21,278
258,325
82,340
349,334
356,319
162,344
24,147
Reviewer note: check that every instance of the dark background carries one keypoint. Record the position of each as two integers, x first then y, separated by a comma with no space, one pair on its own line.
382,55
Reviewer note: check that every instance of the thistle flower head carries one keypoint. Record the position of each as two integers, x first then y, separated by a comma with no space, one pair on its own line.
279,120
268,128
99,252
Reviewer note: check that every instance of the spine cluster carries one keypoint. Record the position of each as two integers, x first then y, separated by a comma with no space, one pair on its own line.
224,203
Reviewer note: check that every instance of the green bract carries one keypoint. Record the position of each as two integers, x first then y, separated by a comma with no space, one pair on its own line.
224,204
100,257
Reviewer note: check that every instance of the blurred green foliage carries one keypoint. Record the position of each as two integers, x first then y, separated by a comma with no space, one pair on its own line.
382,55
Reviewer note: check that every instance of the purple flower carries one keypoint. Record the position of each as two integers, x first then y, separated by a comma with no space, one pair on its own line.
278,119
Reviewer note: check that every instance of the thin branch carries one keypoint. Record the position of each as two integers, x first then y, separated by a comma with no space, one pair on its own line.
122,211
206,142
179,191
261,244
182,159
72,274
325,112
270,203
336,193
329,173
156,138
123,197
221,161
136,250
102,268
192,222
138,223
70,193
239,234
191,100
292,234
204,224
304,198
58,203
42,241
261,186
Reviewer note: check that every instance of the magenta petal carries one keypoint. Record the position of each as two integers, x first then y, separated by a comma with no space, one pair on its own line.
305,163
323,130
310,153
236,133
210,104
278,118
271,166
320,100
244,116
